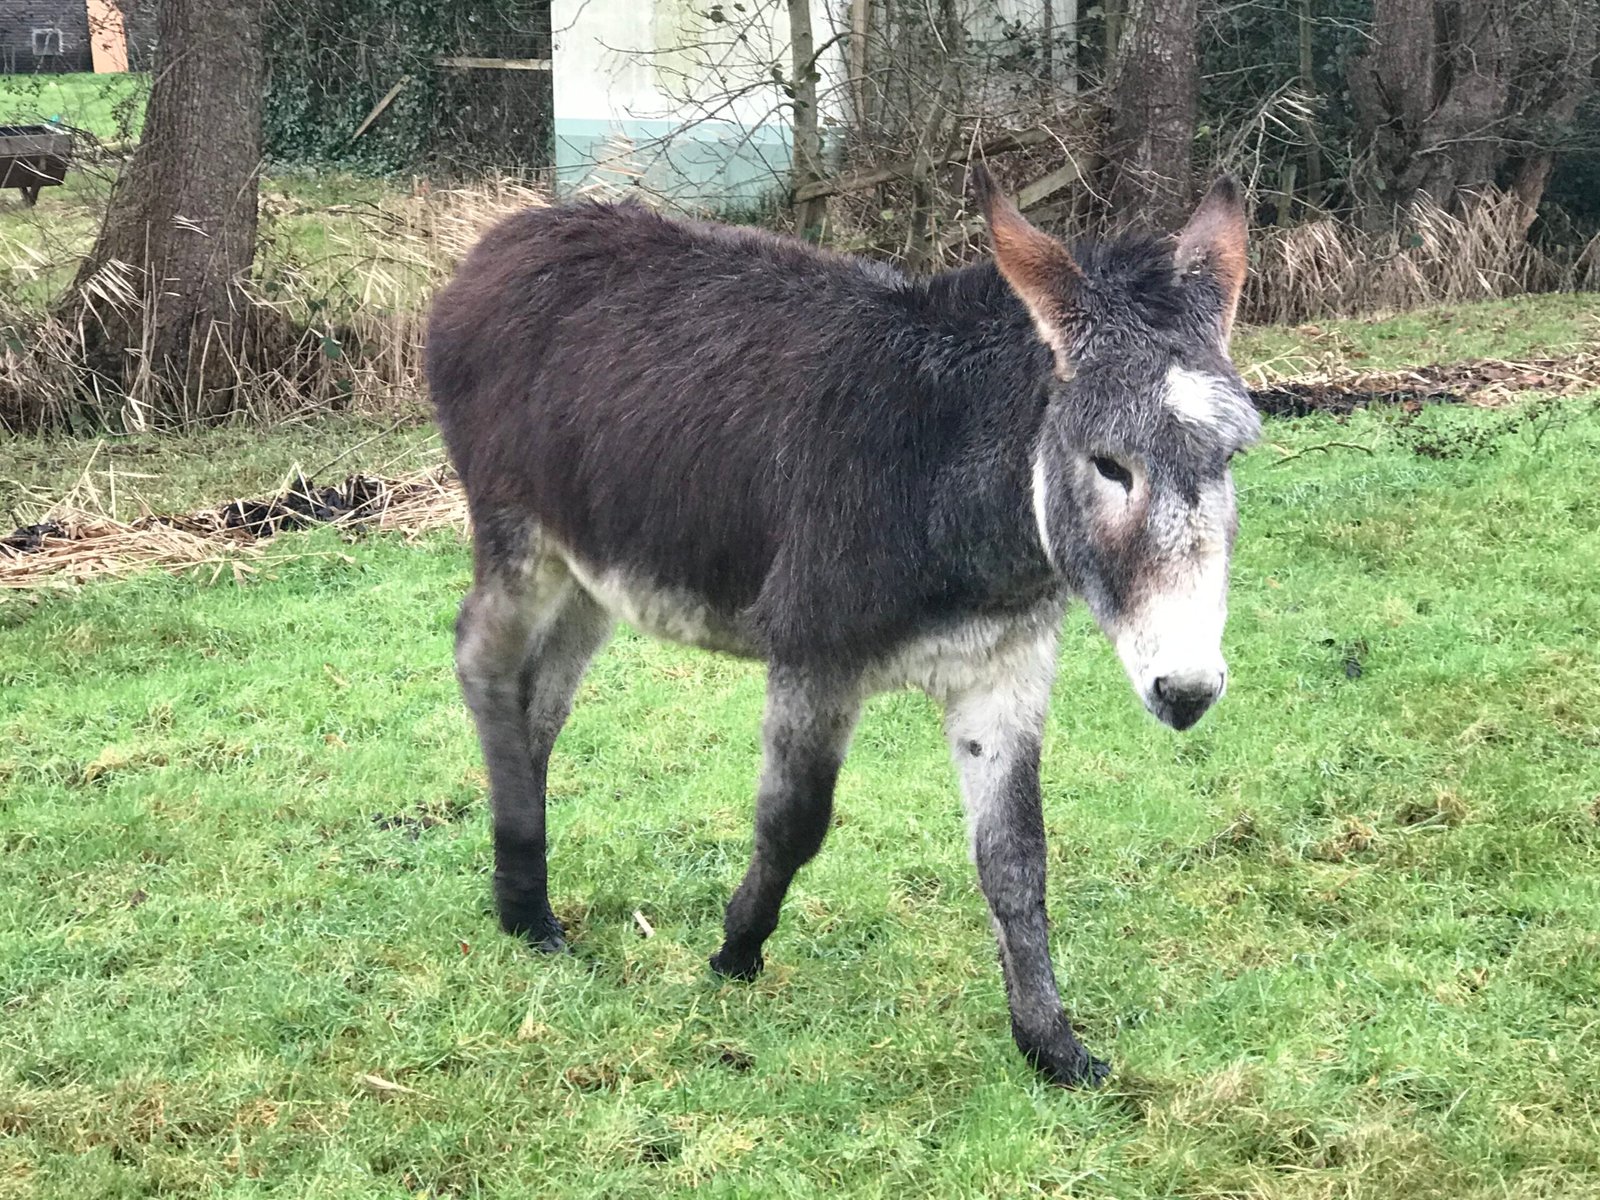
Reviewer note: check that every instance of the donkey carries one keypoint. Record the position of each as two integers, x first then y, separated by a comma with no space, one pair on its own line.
866,480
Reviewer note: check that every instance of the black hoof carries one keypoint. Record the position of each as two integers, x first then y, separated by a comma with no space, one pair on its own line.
1062,1060
542,932
550,943
1075,1068
729,967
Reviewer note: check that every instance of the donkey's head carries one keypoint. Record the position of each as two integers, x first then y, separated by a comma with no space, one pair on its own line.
1131,488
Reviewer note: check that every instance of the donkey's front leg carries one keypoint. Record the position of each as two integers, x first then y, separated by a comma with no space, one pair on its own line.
804,737
994,733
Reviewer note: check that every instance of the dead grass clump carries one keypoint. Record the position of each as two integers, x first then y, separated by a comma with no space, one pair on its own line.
1445,809
1355,837
1429,256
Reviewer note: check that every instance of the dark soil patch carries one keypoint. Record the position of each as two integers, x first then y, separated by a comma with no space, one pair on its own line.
1338,399
32,537
1410,389
357,498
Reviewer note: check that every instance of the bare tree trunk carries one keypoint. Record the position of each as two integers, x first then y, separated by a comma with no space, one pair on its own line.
807,166
1047,43
1114,10
1058,44
860,23
932,138
1069,42
180,230
1153,115
1569,48
1431,100
1309,83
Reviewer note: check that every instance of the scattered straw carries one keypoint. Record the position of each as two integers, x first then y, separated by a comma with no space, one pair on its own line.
72,547
1485,383
72,544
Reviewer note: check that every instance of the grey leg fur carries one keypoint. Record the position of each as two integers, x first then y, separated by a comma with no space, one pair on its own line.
994,729
523,641
805,735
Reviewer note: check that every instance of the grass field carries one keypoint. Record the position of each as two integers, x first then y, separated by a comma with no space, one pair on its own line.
111,107
168,474
1343,940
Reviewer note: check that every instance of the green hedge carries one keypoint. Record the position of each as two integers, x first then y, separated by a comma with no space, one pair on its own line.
331,61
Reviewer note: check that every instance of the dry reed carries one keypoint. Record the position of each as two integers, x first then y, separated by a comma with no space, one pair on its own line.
1430,256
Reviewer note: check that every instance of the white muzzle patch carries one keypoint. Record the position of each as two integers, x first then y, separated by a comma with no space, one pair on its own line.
1171,647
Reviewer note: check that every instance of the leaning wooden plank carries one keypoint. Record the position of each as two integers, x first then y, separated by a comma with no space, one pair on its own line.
494,64
377,109
1047,185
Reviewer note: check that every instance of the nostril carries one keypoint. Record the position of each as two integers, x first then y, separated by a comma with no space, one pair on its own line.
1176,689
1183,698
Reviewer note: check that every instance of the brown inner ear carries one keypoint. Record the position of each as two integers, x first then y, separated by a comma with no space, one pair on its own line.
1038,268
1214,242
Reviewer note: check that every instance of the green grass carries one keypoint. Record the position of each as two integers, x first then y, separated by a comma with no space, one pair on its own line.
1341,940
1519,328
111,107
314,223
178,474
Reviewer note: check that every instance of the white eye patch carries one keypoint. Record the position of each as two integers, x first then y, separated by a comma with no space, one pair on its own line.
1195,398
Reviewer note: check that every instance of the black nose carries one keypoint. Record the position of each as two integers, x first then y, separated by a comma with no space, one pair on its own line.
1183,699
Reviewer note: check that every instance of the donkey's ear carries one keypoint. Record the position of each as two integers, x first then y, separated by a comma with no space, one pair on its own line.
1213,243
1039,269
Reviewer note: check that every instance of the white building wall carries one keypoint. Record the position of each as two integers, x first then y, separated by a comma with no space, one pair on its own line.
654,93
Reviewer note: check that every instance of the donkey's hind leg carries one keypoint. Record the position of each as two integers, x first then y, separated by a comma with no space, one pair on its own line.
805,734
523,640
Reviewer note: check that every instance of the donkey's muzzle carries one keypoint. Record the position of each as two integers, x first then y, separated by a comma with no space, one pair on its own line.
1180,700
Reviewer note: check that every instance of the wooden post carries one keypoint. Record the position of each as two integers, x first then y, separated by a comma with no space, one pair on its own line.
108,38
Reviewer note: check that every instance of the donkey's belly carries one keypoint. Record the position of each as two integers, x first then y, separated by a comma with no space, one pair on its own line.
971,653
661,610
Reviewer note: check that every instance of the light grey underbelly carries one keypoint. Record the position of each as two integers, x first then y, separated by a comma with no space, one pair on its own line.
954,658
669,613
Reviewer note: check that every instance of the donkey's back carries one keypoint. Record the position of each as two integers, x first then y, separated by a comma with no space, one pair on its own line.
611,321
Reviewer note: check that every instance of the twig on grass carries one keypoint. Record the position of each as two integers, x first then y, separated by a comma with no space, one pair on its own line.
1290,455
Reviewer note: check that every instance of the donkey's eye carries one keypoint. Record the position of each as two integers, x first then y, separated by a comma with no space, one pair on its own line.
1114,471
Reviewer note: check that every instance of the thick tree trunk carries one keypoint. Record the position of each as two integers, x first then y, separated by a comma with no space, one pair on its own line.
1153,115
179,234
1551,102
1431,102
807,166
